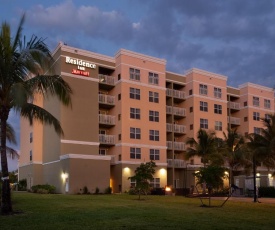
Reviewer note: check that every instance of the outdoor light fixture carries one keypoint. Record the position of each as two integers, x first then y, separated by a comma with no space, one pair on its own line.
258,174
168,189
162,172
64,176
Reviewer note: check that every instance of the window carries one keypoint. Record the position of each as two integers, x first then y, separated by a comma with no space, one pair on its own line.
203,106
134,113
118,77
135,153
154,116
31,155
153,78
256,116
245,119
102,152
257,130
135,93
256,101
119,117
154,135
133,183
217,92
31,137
203,123
135,74
266,104
203,89
267,117
245,104
154,154
135,133
217,109
218,125
191,127
119,137
153,97
119,97
155,183
191,109
190,91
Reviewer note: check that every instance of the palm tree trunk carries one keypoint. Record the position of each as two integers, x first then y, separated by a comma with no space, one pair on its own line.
6,207
254,178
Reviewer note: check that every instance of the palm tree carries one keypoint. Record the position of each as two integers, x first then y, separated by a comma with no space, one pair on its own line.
233,151
12,139
23,69
205,147
262,147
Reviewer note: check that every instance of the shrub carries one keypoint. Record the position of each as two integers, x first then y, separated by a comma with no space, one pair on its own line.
40,188
85,190
108,190
96,190
267,191
22,185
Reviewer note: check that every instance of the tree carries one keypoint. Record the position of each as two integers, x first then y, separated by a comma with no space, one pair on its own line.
205,147
233,149
23,69
143,174
262,147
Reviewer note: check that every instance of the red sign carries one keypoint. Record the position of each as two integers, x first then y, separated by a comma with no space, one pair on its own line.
80,72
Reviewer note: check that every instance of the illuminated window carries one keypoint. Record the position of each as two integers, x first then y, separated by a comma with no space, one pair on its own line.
154,154
154,116
135,93
153,135
135,74
153,97
153,78
135,153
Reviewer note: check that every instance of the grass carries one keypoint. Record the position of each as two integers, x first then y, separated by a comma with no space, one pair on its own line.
126,212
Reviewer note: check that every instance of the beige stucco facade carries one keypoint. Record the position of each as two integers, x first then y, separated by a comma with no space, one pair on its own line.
127,110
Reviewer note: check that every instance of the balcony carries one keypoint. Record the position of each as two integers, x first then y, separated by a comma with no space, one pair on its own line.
169,127
106,101
234,121
176,163
179,129
178,146
234,105
106,120
106,82
178,95
176,111
106,139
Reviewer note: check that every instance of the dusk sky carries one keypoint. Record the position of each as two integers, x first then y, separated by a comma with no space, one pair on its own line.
234,38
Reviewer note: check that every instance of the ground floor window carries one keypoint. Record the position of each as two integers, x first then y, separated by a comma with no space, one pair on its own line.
155,183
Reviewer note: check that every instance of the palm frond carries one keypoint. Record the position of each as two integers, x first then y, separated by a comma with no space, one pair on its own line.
33,112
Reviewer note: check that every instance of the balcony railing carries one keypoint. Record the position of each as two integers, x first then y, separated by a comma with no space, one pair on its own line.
176,163
105,79
175,111
175,93
178,146
106,99
179,128
106,119
234,120
107,139
169,127
234,105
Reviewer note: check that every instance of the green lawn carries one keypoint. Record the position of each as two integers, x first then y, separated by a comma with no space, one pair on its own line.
126,212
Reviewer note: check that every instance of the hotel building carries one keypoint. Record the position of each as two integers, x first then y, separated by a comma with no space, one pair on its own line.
127,110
